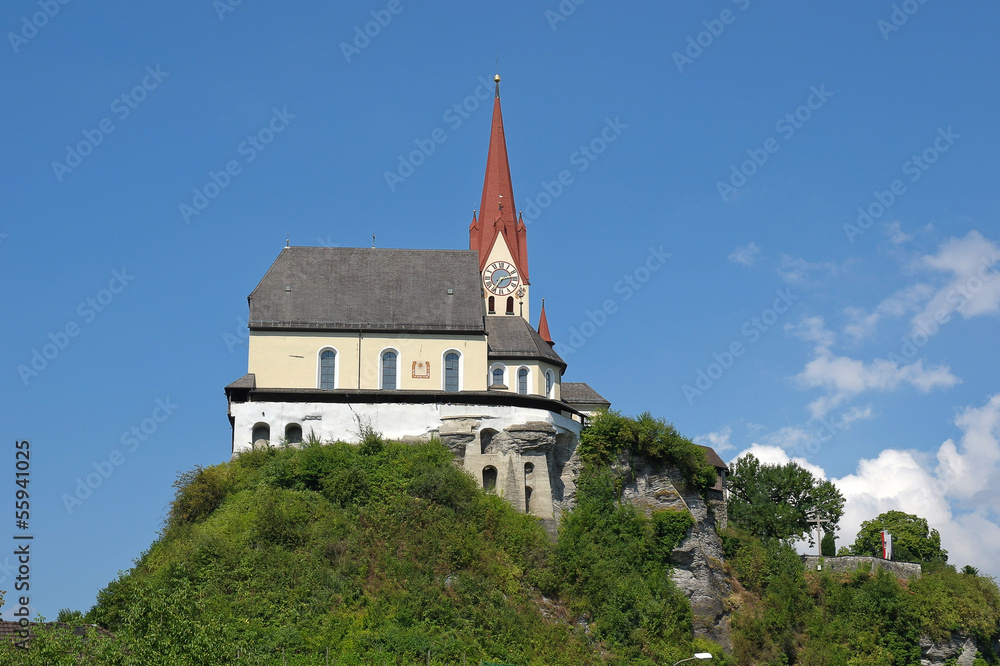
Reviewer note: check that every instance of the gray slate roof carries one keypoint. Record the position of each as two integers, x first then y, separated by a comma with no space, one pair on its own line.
247,381
347,289
581,394
510,336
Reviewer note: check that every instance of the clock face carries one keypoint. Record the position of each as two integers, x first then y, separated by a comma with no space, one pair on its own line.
501,278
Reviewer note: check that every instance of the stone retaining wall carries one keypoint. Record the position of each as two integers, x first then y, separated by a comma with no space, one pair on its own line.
849,563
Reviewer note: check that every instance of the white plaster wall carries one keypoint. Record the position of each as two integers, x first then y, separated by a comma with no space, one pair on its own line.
336,421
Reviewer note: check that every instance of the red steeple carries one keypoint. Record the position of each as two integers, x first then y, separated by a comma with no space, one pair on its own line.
543,326
474,233
497,214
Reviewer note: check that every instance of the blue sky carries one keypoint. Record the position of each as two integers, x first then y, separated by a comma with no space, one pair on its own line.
158,154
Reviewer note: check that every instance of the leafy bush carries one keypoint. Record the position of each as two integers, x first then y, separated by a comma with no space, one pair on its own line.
200,492
790,616
608,433
614,562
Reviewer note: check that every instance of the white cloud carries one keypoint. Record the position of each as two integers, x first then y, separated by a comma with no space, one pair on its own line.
856,414
896,235
971,466
974,285
959,498
798,271
718,440
789,438
775,455
745,255
812,329
863,324
842,378
972,289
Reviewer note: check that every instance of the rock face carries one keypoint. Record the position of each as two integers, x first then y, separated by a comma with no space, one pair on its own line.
958,646
535,466
698,559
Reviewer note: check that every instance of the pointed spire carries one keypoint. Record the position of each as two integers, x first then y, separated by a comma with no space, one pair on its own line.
543,326
498,214
474,233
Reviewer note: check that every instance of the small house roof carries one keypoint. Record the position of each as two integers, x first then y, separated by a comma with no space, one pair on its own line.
581,394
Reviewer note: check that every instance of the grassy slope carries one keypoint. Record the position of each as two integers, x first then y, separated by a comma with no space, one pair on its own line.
384,553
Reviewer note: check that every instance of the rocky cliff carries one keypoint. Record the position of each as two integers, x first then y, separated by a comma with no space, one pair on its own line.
698,559
958,650
649,485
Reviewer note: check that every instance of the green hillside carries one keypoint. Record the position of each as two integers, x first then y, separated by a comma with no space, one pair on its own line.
383,553
387,553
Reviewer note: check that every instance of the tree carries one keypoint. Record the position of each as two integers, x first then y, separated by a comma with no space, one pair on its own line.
912,539
828,546
777,501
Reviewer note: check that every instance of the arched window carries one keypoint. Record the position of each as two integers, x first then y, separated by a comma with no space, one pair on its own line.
492,305
293,433
451,360
327,367
497,377
389,370
522,381
490,479
510,305
527,499
261,435
548,384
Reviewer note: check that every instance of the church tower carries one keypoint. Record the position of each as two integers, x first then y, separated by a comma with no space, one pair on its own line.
499,234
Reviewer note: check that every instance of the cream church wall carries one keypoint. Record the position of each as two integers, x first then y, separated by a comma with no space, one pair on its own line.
291,360
412,347
536,376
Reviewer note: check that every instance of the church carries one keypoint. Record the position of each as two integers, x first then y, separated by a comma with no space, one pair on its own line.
418,344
